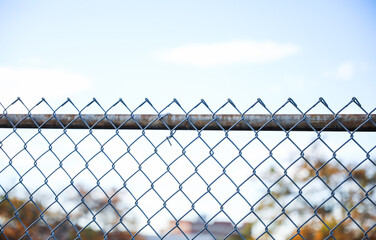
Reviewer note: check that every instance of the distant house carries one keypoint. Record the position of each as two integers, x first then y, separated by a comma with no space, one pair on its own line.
216,229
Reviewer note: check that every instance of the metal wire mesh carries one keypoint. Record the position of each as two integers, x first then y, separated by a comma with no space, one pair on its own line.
62,176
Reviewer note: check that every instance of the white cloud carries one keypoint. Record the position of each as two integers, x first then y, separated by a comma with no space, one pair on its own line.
237,52
345,71
34,83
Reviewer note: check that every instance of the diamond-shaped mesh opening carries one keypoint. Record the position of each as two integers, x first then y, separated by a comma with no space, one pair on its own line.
99,165
120,199
68,107
225,152
62,146
363,176
47,163
269,171
46,194
166,186
252,190
70,195
236,208
114,147
107,217
138,184
178,205
255,152
111,180
33,179
154,168
301,172
194,187
223,189
37,145
58,180
196,151
142,183
328,169
22,162
284,191
281,227
349,194
39,230
240,138
299,211
169,151
80,215
268,208
85,178
270,139
352,107
88,147
126,166
302,139
208,206
162,215
219,226
238,171
128,137
141,149
286,153
210,139
316,192
328,209
351,153
210,170
145,203
181,169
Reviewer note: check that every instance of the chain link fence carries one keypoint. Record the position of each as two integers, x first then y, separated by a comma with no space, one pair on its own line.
177,173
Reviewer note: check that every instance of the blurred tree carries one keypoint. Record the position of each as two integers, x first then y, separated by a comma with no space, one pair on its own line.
21,219
343,207
107,210
342,200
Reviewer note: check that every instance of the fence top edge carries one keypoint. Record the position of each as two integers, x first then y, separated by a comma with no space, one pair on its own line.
284,122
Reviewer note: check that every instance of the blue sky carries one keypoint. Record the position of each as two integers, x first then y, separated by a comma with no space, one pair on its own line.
189,50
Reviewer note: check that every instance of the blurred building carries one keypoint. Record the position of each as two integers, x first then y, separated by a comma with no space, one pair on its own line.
191,229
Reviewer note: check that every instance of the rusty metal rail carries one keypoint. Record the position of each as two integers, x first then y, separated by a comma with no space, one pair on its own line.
295,122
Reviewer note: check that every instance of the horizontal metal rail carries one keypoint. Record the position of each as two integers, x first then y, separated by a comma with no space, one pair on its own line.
295,122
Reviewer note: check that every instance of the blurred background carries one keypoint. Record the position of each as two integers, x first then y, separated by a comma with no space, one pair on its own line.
212,50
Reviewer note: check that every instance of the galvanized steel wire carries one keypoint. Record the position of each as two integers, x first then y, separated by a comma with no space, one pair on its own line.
12,125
